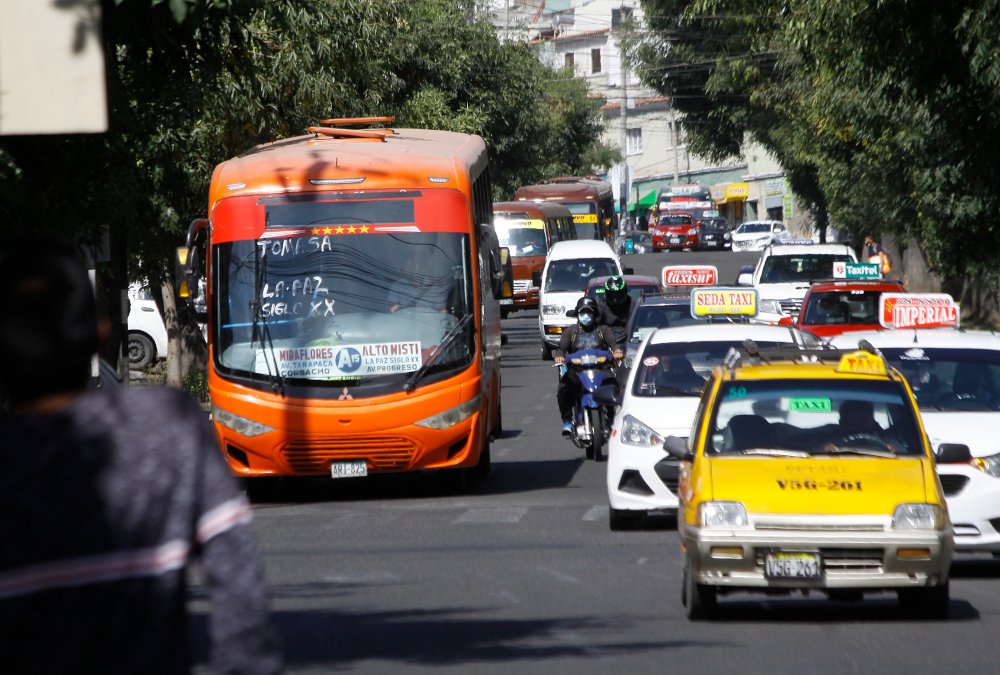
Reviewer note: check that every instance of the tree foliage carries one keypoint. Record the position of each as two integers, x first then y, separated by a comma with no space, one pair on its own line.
193,82
886,108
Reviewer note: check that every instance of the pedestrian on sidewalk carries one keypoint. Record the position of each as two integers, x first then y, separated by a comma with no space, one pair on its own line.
107,496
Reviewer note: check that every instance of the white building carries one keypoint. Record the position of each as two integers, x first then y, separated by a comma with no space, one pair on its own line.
583,36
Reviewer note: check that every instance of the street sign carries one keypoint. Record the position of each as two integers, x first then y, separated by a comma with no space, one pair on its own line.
689,275
718,301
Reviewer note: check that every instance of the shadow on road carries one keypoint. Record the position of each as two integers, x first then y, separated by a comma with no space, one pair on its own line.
876,609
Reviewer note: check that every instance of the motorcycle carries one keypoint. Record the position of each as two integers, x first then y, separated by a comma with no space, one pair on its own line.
591,419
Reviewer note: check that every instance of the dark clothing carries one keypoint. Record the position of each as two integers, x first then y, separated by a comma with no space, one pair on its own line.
574,339
104,506
616,316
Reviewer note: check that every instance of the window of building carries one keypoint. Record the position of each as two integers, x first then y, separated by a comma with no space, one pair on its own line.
633,141
595,60
569,59
619,15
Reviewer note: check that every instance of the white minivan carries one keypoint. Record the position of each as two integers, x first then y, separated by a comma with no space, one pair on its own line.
568,267
147,334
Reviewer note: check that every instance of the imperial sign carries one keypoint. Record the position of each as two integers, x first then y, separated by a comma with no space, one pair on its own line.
918,310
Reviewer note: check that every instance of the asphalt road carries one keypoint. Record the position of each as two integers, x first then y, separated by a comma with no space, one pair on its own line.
391,575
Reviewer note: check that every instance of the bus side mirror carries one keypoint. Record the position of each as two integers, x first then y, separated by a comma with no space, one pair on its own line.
189,271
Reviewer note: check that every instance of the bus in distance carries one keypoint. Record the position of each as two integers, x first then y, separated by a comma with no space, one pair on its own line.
691,198
352,288
590,200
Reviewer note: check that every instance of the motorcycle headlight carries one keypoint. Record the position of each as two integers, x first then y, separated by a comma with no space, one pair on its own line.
240,425
989,465
918,517
769,307
722,514
637,434
553,310
450,418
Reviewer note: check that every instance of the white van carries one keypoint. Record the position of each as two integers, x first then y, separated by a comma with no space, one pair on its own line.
568,268
147,334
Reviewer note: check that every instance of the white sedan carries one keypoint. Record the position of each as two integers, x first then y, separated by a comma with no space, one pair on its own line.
659,399
955,375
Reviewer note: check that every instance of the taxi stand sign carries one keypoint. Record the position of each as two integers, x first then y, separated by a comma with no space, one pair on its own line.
918,310
856,270
689,275
722,301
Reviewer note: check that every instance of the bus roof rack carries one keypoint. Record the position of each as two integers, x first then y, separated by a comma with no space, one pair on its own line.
357,121
337,130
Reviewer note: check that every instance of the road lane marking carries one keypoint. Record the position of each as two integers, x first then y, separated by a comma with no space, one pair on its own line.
499,515
596,513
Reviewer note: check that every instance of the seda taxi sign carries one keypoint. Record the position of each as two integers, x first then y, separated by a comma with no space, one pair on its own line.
720,301
918,310
689,275
856,270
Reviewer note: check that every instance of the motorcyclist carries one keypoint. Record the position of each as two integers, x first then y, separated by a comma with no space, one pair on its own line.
587,333
616,306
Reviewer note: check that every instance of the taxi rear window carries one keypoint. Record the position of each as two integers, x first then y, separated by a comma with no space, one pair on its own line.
816,417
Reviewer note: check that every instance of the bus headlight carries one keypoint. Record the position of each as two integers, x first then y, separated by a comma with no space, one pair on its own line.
450,418
918,517
637,434
722,514
240,425
989,465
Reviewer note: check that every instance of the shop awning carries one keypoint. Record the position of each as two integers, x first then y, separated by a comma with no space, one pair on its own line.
734,192
645,202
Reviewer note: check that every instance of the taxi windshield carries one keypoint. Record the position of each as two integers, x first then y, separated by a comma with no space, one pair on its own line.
950,379
681,368
842,307
573,274
817,417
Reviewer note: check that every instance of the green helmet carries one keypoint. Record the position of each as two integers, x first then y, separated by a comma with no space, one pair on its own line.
615,290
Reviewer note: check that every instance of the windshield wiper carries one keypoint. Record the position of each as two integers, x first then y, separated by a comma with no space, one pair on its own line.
847,450
775,452
262,331
446,341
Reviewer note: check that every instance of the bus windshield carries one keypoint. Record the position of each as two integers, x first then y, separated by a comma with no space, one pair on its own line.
584,219
331,280
522,237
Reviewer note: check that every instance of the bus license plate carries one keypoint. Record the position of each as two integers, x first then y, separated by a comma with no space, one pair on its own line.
782,565
355,468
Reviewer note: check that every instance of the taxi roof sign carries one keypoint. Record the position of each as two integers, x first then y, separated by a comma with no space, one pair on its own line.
721,301
689,275
918,310
862,362
856,270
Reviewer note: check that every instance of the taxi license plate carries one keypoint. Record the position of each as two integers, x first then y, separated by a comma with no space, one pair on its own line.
354,468
781,565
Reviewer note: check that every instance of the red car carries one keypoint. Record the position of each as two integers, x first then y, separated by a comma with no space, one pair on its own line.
675,231
840,306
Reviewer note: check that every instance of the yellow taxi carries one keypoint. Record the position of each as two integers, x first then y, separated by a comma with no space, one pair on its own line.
809,470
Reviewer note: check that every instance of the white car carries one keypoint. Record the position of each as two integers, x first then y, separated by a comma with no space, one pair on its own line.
784,273
656,402
955,375
569,267
754,235
147,334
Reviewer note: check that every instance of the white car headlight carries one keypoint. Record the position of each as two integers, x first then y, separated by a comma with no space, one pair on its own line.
768,307
553,310
918,517
989,465
450,418
693,231
638,434
722,514
727,236
240,425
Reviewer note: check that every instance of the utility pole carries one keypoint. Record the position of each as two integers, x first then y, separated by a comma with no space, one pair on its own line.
673,135
624,192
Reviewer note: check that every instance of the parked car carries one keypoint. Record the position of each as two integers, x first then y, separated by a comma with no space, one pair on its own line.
147,334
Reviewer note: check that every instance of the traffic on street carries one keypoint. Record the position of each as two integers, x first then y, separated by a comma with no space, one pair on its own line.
395,573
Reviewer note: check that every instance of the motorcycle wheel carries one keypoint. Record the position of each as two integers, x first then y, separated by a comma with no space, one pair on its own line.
596,435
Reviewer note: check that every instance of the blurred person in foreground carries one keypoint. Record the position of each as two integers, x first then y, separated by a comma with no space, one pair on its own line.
106,497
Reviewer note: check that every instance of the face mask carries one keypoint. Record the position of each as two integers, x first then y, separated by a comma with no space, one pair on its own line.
586,319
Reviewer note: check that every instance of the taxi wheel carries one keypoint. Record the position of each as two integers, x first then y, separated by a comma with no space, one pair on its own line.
621,519
932,602
699,600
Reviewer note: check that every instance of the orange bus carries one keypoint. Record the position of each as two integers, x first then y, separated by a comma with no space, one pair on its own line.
590,199
352,285
528,230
